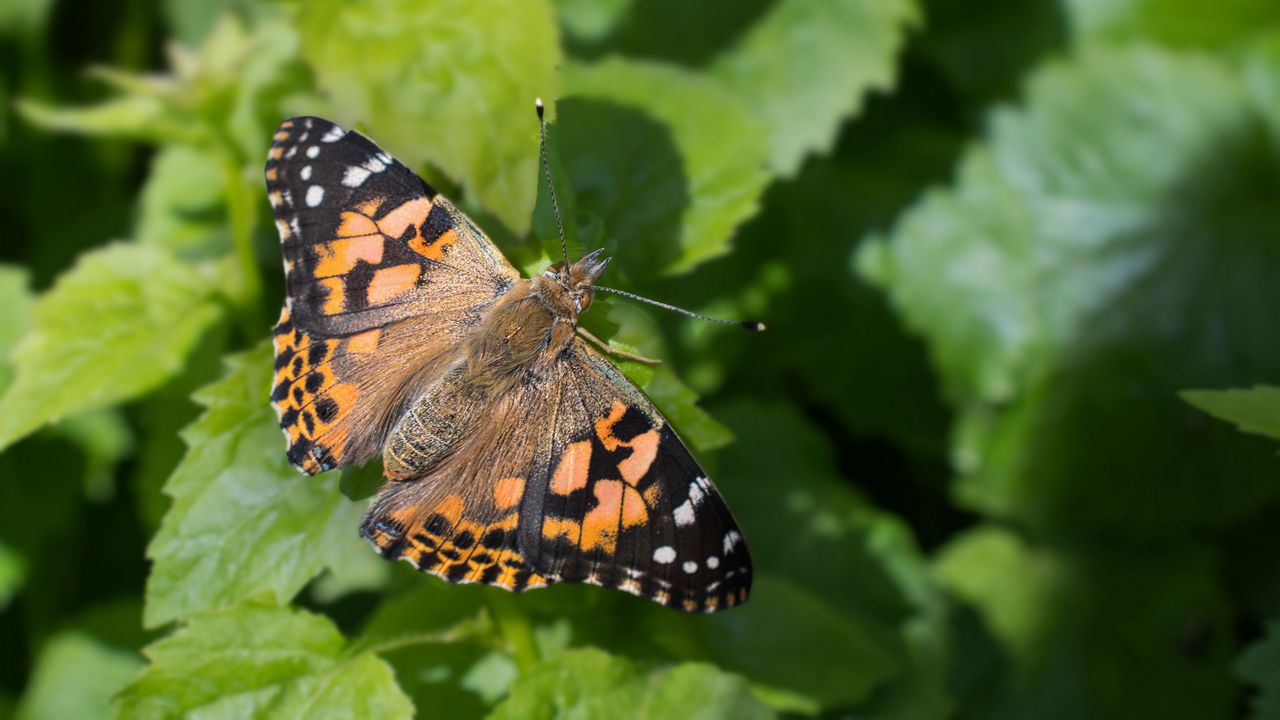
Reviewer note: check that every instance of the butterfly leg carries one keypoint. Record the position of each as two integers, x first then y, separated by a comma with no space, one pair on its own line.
609,349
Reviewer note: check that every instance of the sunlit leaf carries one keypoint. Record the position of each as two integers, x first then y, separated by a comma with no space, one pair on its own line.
1255,410
251,661
806,66
449,83
244,524
116,325
668,159
589,683
75,677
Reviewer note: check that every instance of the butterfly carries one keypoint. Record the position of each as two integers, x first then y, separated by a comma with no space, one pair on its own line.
514,453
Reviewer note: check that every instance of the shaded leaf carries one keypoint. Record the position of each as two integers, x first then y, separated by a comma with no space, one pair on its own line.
1073,618
589,683
1090,245
1259,665
182,206
244,524
450,83
252,661
113,327
807,66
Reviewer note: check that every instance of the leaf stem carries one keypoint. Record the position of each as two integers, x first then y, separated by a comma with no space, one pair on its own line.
513,625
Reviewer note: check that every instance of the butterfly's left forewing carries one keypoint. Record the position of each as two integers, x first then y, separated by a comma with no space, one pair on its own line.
384,278
576,477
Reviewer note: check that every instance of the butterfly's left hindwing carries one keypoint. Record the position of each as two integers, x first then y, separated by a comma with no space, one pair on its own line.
576,478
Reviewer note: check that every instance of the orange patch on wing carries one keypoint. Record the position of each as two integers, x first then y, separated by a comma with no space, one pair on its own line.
451,507
335,300
355,224
370,207
339,257
365,342
435,248
413,212
276,152
387,283
604,426
571,473
644,448
272,173
282,227
553,527
275,197
507,492
614,502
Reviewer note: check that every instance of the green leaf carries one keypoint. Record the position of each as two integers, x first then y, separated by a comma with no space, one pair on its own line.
589,683
75,677
244,524
182,206
668,159
1259,665
251,661
1255,410
807,66
15,297
679,405
1075,617
13,574
115,326
135,117
1067,282
450,83
1180,23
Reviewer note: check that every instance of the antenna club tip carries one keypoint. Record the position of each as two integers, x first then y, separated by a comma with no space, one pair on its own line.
753,325
537,104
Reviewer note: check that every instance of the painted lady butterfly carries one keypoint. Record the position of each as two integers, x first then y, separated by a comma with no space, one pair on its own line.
515,453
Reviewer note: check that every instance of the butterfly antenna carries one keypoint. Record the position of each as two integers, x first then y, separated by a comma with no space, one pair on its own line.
551,186
748,324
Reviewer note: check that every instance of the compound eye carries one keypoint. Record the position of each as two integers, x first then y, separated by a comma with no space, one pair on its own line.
583,301
554,270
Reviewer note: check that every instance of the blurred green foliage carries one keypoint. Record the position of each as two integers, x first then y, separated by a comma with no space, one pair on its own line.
1017,259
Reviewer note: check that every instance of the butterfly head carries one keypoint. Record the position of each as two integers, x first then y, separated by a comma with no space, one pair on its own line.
576,280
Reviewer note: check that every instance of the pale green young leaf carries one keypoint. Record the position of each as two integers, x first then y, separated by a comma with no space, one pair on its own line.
135,117
1100,251
1255,410
669,160
16,298
114,326
590,683
1259,665
449,83
244,524
75,676
254,661
807,66
182,205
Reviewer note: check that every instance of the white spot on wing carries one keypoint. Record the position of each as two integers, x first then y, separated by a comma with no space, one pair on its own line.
334,135
690,567
713,562
355,176
306,173
313,151
684,514
664,554
315,195
731,538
